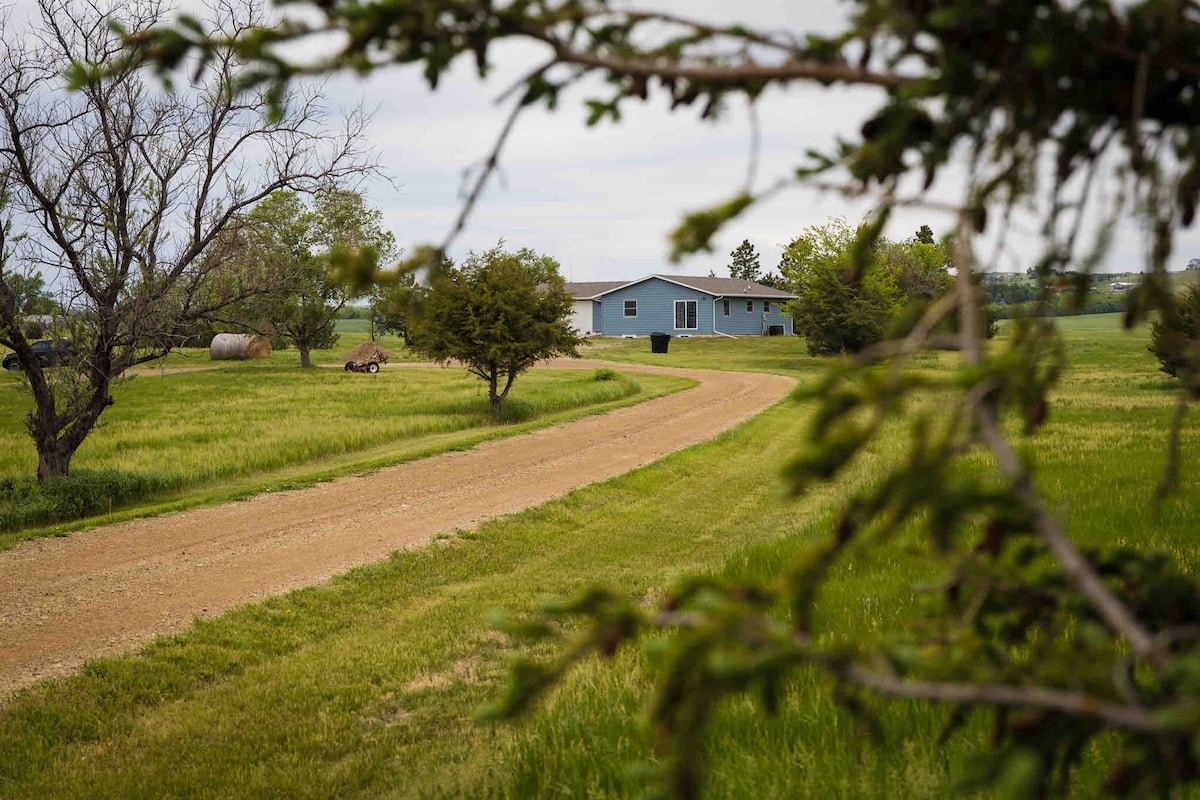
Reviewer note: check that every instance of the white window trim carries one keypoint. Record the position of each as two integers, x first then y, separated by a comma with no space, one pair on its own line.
749,306
625,309
675,315
766,306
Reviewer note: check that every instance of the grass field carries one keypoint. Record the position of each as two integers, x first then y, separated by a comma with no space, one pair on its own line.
365,686
245,426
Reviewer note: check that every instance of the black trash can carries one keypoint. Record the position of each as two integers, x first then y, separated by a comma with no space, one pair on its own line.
659,342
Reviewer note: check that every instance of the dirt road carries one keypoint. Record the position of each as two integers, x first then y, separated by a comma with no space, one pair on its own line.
100,592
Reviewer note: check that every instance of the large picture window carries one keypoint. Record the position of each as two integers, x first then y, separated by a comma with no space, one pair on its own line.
631,308
685,315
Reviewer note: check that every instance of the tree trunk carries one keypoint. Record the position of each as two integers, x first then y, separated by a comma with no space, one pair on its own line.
54,456
53,461
305,361
511,376
56,438
494,397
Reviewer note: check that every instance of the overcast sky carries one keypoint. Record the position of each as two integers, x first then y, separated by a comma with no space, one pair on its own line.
602,200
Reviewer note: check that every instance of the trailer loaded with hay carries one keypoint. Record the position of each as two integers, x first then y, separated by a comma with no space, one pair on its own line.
367,357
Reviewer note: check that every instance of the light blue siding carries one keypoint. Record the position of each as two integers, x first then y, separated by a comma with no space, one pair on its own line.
741,322
655,309
597,319
656,312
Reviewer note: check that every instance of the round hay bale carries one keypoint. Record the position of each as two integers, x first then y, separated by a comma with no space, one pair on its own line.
229,346
369,351
259,347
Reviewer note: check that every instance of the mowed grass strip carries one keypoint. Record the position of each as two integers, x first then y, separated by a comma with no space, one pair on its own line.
365,686
246,426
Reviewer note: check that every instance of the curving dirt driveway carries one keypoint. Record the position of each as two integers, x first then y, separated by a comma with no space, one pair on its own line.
100,592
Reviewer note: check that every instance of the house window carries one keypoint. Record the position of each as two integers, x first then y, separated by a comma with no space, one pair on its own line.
685,315
725,307
749,306
766,306
631,308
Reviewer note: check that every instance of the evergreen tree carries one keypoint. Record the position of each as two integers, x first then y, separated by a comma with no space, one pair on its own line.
498,314
744,262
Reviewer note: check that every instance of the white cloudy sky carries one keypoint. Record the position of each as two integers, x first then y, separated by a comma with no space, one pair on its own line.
602,200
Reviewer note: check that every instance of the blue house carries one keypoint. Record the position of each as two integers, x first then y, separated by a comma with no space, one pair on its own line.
680,305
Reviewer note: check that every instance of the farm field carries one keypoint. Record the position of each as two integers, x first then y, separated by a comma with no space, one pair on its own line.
194,431
365,686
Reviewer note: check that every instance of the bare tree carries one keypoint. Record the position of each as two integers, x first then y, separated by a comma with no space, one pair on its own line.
120,190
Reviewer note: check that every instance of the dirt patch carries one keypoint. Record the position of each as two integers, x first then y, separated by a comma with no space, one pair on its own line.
465,671
104,591
134,371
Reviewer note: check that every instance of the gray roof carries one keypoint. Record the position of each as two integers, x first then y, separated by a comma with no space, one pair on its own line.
585,290
727,287
717,287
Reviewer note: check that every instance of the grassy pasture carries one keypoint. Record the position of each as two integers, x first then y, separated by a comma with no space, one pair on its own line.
246,426
364,687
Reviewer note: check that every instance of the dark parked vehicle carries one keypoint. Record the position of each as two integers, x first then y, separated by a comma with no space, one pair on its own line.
48,352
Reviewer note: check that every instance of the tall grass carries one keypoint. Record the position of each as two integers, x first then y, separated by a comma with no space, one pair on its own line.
170,433
365,686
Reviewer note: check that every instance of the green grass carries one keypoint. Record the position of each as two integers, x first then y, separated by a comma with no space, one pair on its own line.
365,686
244,426
785,355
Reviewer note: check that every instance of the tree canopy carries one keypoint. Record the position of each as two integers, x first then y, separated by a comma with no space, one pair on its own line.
498,313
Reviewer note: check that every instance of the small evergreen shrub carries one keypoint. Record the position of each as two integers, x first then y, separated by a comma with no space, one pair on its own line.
1175,338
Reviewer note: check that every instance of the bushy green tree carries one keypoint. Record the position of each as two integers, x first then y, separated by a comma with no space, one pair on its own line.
834,311
841,308
1175,338
498,313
